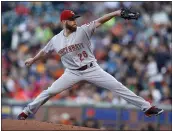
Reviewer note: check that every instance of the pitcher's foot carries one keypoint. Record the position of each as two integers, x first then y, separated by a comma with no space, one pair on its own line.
22,116
153,111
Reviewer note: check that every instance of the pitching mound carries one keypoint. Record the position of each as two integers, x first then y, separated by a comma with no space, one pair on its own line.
17,125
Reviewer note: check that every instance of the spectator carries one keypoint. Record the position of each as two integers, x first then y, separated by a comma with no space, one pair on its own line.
6,37
90,121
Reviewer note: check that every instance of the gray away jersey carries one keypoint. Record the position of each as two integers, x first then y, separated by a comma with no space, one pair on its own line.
75,50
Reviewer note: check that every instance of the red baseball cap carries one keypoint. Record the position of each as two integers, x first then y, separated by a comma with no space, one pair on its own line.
67,15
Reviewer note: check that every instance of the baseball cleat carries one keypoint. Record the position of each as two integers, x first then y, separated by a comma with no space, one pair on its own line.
153,111
22,116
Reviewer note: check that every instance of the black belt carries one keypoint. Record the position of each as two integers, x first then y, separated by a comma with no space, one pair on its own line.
85,67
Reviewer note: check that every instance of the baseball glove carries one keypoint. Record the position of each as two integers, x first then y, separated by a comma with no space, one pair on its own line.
128,14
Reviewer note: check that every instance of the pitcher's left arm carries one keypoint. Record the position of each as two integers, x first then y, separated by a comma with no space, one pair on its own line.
123,13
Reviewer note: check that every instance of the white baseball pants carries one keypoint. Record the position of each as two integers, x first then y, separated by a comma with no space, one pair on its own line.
94,75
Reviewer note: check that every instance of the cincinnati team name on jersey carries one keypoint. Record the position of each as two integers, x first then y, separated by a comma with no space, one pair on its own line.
71,48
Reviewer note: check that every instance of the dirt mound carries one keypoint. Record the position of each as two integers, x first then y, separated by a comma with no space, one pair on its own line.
17,125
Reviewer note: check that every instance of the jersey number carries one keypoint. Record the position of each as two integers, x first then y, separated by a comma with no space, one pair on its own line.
82,55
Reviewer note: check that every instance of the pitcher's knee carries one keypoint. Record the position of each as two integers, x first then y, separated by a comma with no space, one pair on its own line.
50,92
119,84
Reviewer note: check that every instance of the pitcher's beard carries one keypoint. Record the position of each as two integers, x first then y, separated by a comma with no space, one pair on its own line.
71,28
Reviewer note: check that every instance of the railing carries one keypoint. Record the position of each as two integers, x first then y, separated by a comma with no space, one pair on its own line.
118,114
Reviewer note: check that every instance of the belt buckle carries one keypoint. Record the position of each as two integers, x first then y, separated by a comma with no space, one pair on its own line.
90,65
86,66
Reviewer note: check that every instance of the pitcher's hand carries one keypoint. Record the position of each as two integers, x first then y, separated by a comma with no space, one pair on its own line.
29,62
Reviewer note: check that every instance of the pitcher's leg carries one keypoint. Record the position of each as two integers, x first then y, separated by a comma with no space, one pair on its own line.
105,80
64,82
32,107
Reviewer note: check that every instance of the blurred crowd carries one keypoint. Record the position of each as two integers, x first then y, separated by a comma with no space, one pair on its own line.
67,119
136,53
92,122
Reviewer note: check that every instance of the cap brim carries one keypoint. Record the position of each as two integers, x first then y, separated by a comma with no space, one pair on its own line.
75,16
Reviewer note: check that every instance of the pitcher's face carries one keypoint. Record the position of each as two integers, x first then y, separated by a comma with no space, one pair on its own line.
71,25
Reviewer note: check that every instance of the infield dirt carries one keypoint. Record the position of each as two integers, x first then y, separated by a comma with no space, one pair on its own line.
18,125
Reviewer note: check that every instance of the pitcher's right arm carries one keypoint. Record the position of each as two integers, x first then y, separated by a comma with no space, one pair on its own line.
43,53
39,56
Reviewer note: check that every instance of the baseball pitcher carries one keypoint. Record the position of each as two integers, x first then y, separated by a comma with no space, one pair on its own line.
74,46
